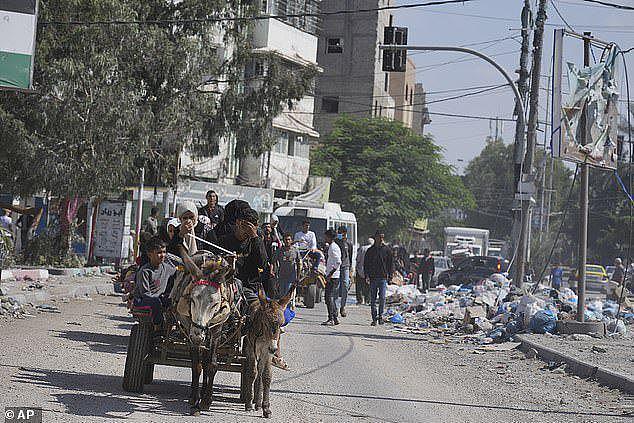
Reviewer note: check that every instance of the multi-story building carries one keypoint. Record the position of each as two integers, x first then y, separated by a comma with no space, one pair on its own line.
285,167
421,113
294,40
353,81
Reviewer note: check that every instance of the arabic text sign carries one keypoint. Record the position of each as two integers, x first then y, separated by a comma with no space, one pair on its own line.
111,228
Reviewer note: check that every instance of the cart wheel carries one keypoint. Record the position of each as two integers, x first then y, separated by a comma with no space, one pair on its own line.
148,376
310,294
135,367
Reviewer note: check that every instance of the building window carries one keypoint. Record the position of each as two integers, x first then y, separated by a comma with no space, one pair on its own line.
302,147
292,138
386,84
330,104
281,146
334,45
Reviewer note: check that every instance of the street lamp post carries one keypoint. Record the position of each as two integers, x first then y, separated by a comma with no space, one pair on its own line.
522,248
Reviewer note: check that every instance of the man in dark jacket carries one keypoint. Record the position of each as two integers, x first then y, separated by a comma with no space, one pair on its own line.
378,267
426,270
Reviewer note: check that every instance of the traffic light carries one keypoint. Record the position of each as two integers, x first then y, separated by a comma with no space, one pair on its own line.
395,60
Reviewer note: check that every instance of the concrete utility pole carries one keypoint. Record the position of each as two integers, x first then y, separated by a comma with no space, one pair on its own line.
520,127
583,200
531,139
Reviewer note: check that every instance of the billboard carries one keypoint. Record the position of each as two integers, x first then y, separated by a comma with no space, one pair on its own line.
592,93
18,26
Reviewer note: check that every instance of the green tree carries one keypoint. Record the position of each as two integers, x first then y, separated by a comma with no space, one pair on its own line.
113,97
489,177
387,175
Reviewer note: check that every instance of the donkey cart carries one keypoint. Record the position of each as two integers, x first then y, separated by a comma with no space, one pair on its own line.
145,351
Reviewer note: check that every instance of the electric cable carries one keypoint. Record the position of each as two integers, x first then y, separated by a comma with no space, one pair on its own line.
561,16
605,3
629,248
561,227
253,18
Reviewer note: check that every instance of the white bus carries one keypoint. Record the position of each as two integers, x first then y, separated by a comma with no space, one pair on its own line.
330,216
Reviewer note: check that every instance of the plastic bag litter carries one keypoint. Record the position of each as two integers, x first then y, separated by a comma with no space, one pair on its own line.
568,295
397,318
544,321
616,328
528,306
593,316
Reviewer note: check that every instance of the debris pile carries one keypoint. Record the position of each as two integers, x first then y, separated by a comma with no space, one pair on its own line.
492,310
9,307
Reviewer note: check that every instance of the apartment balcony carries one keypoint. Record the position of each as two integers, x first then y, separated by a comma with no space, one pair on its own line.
272,35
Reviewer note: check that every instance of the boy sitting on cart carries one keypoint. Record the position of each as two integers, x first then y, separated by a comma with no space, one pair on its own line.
151,291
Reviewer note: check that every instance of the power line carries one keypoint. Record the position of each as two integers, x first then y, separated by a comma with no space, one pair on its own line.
605,3
561,16
254,18
437,65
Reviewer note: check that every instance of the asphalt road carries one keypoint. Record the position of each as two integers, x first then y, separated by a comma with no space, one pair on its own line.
71,363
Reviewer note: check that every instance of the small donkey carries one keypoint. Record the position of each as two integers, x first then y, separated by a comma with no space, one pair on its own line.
260,343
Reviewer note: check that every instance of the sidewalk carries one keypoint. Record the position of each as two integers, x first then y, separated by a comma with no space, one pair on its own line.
608,360
53,288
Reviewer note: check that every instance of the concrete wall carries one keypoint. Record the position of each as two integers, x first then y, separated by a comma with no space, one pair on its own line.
353,76
274,35
402,89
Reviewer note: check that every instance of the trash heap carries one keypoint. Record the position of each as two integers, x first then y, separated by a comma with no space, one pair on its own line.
492,310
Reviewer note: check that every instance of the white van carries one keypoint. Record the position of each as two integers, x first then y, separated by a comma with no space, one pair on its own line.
330,216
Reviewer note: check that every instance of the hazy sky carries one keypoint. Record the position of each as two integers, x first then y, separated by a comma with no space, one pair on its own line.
485,20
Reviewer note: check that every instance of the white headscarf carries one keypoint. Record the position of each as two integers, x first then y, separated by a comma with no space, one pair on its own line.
189,241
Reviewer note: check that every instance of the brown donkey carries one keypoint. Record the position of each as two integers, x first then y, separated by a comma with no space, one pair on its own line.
260,343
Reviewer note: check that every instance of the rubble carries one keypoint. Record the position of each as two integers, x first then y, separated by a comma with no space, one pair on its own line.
492,311
10,307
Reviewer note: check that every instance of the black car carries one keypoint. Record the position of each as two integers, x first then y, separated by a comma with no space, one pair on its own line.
471,269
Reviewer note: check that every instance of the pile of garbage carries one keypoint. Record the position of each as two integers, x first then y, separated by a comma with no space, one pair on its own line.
493,310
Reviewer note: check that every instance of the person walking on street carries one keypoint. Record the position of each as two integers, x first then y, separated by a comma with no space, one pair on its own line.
426,270
333,265
556,277
346,264
286,264
378,268
362,288
151,224
619,271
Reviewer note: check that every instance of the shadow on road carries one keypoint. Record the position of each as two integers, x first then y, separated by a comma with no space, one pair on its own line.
364,336
84,394
450,403
99,342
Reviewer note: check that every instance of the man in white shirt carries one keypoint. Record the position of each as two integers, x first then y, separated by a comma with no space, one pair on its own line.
333,265
306,239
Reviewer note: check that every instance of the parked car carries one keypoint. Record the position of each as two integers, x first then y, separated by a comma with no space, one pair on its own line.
441,264
596,278
471,269
610,271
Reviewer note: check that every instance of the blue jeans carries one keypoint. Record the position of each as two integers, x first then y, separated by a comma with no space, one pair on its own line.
377,286
331,294
344,285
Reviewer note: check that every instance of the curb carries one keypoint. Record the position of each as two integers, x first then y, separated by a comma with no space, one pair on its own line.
64,292
21,274
580,368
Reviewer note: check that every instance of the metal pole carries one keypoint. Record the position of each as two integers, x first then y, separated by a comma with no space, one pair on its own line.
583,226
519,149
484,57
523,254
139,213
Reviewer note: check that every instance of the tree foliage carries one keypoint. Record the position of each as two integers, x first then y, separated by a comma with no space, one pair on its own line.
489,176
387,175
112,97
